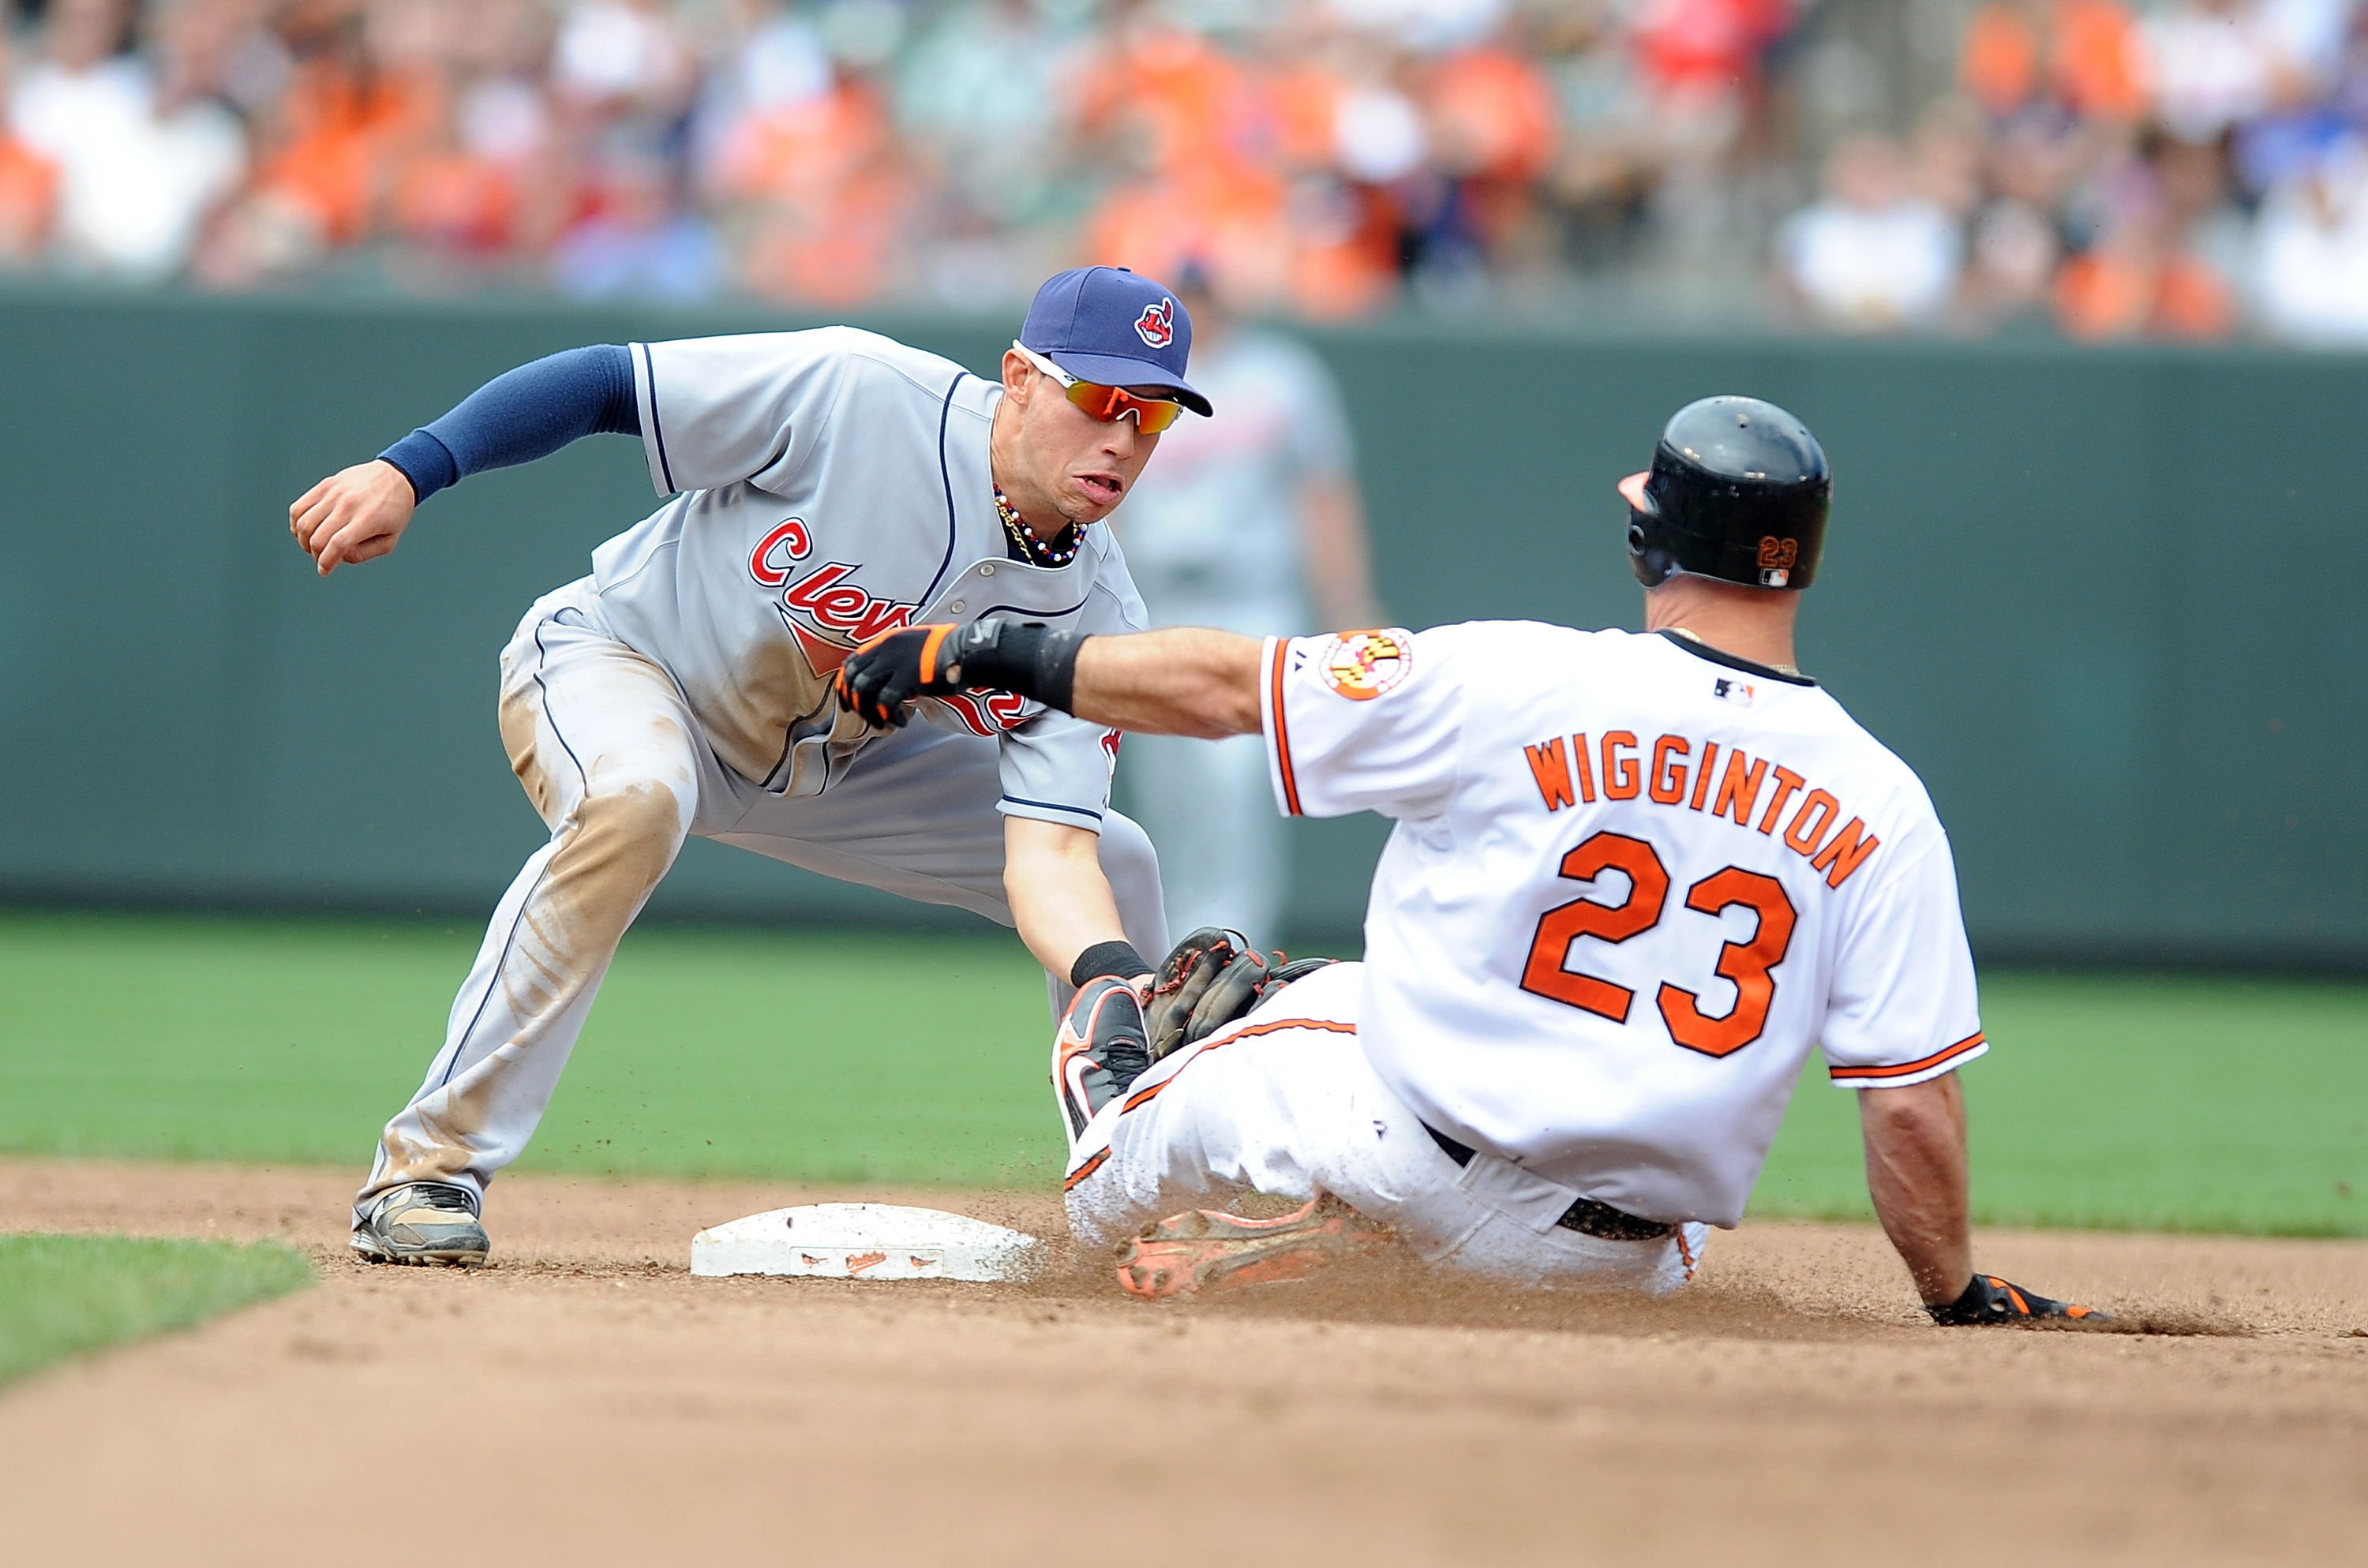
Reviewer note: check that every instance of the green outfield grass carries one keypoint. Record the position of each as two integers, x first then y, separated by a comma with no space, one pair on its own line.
63,1295
2135,1101
712,1052
2149,1101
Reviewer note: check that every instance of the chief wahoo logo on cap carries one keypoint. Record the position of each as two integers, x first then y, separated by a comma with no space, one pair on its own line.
1156,325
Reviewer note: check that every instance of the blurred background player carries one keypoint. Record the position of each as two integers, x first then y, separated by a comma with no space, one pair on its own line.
1634,882
1252,524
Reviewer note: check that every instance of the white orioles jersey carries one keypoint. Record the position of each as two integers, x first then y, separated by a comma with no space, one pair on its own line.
1633,883
829,486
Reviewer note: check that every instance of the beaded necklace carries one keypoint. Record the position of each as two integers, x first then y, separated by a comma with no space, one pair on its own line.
1043,552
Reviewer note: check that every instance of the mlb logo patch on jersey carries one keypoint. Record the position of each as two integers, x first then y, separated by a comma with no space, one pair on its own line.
1728,689
1361,666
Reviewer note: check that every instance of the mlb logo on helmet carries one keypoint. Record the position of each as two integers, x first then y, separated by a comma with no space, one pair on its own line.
1107,324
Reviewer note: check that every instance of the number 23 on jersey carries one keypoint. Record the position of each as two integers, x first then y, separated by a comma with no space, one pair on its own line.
1750,964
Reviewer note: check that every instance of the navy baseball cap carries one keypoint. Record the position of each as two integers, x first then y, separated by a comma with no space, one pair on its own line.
1107,324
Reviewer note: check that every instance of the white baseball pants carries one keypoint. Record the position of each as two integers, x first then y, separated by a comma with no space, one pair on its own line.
1284,1103
614,761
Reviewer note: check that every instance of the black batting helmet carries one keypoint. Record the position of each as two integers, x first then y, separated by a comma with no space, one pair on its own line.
1738,491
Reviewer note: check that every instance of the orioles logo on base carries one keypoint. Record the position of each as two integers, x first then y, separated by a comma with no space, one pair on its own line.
1361,666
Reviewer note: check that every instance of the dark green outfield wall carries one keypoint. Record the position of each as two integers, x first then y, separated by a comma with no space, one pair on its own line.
2108,603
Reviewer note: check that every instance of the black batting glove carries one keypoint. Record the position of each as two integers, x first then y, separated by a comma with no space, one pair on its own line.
1991,1299
881,678
1000,655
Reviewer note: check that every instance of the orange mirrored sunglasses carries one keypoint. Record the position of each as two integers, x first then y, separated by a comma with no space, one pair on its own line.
1152,415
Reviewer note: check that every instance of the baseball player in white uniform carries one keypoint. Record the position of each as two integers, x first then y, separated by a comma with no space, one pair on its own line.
825,487
1634,880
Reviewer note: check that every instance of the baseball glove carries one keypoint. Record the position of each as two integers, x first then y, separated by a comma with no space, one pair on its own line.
1212,978
1991,1299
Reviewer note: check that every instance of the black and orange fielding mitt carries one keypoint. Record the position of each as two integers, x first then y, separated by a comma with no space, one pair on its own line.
1992,1300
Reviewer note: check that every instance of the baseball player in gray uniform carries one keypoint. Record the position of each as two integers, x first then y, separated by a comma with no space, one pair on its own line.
824,488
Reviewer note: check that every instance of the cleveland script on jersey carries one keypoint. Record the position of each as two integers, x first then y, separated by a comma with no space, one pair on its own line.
1633,883
829,486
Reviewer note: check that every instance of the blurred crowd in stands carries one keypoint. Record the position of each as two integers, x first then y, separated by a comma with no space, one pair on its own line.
2183,168
2186,171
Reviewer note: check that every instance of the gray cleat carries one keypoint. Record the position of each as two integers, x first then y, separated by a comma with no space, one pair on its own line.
423,1222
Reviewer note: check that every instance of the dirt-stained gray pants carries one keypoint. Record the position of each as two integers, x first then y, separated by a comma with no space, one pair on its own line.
613,759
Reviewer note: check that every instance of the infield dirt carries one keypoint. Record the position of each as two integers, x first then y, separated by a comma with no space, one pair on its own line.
587,1401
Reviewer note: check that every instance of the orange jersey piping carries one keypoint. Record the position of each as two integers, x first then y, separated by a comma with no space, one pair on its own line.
1282,730
1144,1097
1089,1168
1904,1069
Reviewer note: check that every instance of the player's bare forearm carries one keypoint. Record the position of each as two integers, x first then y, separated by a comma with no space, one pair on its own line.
1916,1172
355,514
1060,900
1186,680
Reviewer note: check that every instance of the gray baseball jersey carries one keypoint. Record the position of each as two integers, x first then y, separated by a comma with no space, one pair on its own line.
829,486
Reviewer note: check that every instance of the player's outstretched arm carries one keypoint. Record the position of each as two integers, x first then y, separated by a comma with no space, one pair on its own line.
1186,680
1060,902
1916,1171
355,514
359,513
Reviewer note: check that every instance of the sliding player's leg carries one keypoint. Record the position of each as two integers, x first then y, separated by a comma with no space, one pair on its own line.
1284,1103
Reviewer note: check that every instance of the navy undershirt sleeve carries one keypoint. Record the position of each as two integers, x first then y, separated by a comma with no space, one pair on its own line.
523,415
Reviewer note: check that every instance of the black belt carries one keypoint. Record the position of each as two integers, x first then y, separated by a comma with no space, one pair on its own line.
1585,1215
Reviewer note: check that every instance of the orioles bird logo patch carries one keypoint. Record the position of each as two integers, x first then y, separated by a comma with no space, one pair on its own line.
1156,325
1361,666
